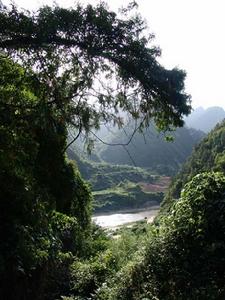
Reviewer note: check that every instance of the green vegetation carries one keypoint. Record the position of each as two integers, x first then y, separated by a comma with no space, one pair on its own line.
45,205
183,255
209,155
184,258
69,49
49,63
90,278
120,187
125,196
104,175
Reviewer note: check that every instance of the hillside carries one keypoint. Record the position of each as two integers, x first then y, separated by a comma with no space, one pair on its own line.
104,175
205,119
209,155
183,257
120,187
150,149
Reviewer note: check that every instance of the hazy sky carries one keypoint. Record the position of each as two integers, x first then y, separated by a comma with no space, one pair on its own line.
191,34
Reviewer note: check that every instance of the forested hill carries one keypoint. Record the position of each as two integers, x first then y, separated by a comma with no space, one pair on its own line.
120,187
151,150
184,256
104,175
205,119
209,155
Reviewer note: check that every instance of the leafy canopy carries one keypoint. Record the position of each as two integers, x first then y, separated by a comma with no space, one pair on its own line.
92,64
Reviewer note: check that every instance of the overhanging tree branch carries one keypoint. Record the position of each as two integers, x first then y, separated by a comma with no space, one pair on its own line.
72,46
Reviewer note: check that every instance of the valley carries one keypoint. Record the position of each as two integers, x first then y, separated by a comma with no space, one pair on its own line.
112,187
118,185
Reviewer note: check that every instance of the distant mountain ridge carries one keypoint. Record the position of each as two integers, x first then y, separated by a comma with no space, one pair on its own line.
205,119
150,150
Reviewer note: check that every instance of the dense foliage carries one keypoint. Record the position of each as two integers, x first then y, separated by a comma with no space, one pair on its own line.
80,67
91,278
45,205
208,155
185,254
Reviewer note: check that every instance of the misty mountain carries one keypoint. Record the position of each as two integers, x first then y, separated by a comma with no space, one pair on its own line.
150,149
205,119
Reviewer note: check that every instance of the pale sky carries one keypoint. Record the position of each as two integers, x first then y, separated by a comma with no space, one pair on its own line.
191,34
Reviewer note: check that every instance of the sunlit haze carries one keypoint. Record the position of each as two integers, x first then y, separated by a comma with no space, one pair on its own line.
191,36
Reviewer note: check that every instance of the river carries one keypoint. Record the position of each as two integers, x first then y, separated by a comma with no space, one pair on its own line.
111,220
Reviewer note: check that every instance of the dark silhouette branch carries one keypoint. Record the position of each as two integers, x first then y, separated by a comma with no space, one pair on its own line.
120,144
130,156
74,139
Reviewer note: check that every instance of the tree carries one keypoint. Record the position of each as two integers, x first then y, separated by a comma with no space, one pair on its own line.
45,205
92,64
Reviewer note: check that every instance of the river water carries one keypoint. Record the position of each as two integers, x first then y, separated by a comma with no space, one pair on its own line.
117,219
